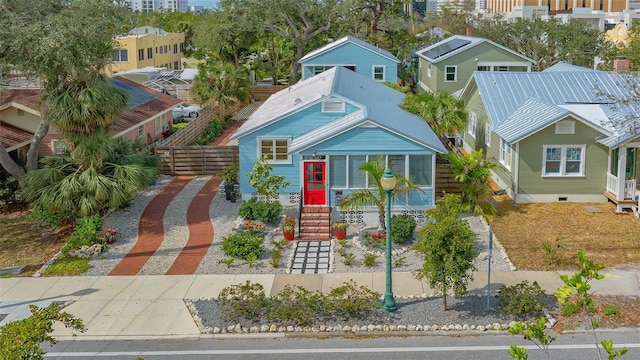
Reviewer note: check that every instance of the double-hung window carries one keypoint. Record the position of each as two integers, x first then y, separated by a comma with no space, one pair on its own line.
344,171
274,150
378,73
563,160
450,73
140,54
149,53
120,56
472,123
505,154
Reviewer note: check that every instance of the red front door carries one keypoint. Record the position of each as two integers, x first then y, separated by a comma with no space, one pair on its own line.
314,180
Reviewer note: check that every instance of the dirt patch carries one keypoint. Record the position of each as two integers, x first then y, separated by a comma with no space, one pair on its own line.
628,316
30,243
607,237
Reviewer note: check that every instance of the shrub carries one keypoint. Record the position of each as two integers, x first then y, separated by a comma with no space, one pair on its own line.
570,308
276,255
266,211
402,228
243,301
213,130
84,233
349,259
296,305
352,301
553,251
243,246
370,259
610,310
521,299
9,191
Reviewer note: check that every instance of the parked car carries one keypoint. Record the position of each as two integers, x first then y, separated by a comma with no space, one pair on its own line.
184,112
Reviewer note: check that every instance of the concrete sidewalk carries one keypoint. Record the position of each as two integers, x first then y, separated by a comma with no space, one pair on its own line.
144,307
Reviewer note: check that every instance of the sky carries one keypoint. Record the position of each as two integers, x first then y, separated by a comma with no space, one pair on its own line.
209,4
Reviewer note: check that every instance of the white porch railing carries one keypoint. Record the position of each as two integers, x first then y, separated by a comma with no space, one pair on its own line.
629,186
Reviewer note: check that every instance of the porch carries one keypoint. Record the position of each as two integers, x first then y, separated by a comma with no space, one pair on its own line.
624,194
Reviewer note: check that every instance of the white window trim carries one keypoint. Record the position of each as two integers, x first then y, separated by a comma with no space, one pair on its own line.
373,72
61,144
274,138
428,69
472,125
487,134
455,73
563,160
560,129
506,156
140,131
334,101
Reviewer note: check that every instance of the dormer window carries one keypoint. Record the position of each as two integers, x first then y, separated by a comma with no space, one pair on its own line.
333,106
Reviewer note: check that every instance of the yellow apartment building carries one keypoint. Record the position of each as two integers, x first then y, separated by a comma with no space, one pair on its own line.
147,46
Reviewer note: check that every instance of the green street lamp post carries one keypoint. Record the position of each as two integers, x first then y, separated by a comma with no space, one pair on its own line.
388,182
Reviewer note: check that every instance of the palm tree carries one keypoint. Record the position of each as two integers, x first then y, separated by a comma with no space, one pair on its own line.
221,83
77,184
444,113
473,171
375,195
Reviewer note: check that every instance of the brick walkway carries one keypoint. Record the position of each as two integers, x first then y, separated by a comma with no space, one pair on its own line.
151,229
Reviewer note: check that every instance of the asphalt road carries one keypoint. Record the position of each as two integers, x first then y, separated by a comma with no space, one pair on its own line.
483,347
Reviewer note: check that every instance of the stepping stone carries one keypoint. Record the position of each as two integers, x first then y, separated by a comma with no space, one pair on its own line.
296,271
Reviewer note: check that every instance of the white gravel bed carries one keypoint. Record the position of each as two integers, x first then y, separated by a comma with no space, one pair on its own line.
176,231
127,221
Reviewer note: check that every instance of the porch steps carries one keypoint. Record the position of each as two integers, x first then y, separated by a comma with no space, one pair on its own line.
315,223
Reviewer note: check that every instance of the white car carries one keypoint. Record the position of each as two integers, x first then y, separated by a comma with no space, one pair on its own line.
184,111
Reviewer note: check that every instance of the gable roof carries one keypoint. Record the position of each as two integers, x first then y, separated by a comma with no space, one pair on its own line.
563,66
346,40
457,44
12,137
378,104
585,94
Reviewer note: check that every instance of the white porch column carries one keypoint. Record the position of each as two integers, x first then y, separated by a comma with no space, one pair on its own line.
622,167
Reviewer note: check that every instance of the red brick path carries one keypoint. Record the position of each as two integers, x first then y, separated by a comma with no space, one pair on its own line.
151,230
200,231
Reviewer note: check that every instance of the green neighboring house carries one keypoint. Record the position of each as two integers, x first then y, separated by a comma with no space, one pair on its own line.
447,65
556,135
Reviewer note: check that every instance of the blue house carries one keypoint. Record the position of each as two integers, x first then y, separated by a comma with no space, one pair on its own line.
318,132
354,54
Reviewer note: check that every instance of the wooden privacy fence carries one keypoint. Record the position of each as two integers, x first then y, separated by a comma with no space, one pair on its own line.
190,133
261,93
196,160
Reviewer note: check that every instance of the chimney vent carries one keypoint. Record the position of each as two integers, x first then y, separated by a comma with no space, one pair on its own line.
621,63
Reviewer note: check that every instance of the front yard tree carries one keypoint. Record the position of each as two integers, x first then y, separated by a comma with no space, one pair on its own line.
374,195
447,243
473,172
55,42
220,83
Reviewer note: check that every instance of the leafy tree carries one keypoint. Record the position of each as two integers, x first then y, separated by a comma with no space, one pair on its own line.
264,182
22,339
35,40
447,243
171,21
473,171
444,113
375,195
220,83
298,21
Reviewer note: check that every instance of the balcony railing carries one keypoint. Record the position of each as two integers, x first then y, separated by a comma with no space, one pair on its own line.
629,187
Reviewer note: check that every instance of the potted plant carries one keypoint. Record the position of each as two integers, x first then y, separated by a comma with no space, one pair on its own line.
340,229
289,228
230,178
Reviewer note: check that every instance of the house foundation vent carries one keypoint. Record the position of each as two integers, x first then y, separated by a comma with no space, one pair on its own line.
563,198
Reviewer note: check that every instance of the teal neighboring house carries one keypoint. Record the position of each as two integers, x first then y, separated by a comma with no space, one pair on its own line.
318,132
447,65
557,135
354,54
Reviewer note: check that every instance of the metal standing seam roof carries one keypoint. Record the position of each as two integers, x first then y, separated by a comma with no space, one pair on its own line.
503,93
531,116
456,44
346,40
380,104
563,66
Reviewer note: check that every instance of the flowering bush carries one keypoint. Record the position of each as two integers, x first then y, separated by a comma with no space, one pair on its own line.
289,224
375,239
251,227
